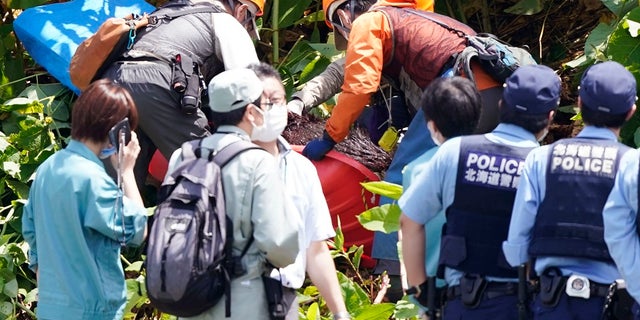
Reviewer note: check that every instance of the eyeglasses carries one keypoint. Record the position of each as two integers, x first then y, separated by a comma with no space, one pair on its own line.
273,102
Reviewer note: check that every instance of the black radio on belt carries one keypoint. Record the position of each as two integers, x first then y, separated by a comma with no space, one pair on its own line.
186,79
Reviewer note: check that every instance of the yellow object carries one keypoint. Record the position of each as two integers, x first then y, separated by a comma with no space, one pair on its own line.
389,139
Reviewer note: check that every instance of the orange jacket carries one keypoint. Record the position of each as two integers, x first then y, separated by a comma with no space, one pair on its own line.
370,49
426,5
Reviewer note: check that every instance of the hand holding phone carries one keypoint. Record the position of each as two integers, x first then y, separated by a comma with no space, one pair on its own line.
119,128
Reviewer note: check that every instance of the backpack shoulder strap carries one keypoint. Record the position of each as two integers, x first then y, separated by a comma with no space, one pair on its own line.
155,16
190,149
222,157
431,17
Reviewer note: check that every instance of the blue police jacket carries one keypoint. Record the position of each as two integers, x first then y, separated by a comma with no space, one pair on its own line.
621,222
569,228
486,170
531,193
434,188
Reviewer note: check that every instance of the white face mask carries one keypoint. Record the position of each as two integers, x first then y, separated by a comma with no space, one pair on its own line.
432,133
274,122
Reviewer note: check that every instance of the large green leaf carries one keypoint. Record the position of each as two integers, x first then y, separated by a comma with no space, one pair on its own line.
405,309
624,48
597,39
291,11
620,7
354,296
375,311
385,218
383,188
11,288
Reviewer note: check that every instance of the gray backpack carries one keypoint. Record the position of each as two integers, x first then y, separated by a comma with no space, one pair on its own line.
189,263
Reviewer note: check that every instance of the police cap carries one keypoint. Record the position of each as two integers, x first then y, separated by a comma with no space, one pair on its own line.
532,89
608,87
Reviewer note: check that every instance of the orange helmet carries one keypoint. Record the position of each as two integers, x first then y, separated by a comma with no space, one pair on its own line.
260,5
329,7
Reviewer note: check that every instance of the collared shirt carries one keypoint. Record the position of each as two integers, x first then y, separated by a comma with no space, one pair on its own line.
620,222
434,188
529,196
74,233
303,186
257,204
433,227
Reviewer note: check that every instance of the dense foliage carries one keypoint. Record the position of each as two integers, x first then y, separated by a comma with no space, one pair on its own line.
34,120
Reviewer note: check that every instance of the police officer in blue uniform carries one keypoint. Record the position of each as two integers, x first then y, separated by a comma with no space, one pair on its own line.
621,227
475,178
557,216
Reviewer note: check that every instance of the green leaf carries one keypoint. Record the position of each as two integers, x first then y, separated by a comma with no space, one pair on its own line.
597,40
383,188
375,312
313,312
339,238
6,309
357,255
328,49
622,46
571,109
314,68
17,253
19,188
32,296
620,8
291,11
405,309
354,296
11,288
385,218
526,7
135,267
11,168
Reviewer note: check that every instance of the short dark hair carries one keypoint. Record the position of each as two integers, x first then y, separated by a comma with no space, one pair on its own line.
533,123
100,106
356,7
264,70
602,119
453,104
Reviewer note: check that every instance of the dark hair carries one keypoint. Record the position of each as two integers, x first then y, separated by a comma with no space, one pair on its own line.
232,117
355,7
264,70
602,119
102,105
533,123
453,104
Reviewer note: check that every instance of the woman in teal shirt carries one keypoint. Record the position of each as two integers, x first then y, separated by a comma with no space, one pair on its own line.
72,222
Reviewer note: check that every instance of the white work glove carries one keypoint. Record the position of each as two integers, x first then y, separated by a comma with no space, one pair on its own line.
296,106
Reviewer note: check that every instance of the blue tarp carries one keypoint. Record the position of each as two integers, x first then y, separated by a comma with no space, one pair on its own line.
51,33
